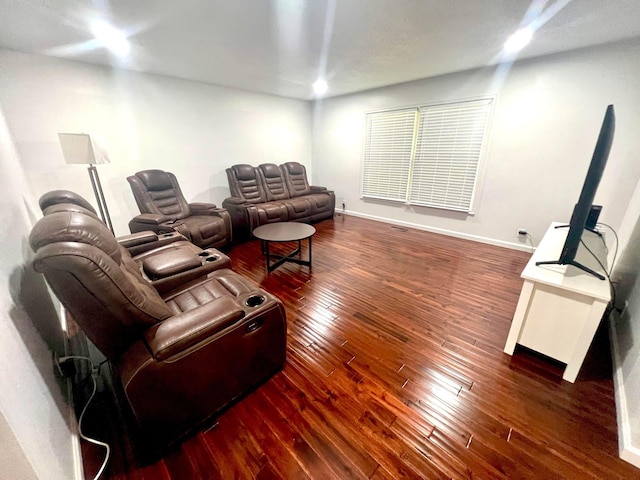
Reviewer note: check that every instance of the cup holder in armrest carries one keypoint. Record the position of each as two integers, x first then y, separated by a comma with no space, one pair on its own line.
204,254
254,301
213,258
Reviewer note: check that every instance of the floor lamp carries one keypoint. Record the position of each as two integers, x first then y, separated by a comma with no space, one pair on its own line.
78,148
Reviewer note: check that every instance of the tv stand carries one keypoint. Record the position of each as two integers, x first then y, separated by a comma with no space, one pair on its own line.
575,264
592,230
560,306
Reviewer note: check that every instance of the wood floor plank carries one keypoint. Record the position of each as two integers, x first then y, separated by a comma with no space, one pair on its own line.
395,369
307,457
281,457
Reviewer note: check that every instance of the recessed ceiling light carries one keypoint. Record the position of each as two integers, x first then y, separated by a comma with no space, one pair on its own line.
320,87
112,38
518,40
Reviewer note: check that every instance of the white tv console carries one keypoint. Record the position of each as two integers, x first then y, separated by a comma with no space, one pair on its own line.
560,306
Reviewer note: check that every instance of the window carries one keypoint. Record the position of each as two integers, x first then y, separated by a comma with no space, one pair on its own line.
426,155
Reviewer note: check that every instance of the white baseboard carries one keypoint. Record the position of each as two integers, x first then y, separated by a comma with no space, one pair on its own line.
627,451
78,466
442,231
76,449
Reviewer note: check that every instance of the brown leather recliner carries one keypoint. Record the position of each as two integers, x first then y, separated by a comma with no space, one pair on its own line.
163,208
322,200
180,356
166,260
268,194
136,243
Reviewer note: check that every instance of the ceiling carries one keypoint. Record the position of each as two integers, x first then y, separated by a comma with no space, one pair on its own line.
281,47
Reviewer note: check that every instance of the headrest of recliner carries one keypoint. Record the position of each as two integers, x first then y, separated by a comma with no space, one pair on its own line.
67,226
155,179
55,197
270,170
69,207
244,172
294,168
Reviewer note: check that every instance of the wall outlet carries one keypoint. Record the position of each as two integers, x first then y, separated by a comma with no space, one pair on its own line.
66,367
522,231
344,204
624,308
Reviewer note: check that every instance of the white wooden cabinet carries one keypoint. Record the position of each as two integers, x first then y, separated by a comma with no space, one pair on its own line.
560,306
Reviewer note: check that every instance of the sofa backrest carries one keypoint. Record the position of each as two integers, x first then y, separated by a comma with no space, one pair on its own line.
273,182
295,177
245,183
95,279
157,191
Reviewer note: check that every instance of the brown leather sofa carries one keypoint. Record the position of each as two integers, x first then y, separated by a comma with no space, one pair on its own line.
163,208
181,355
271,193
166,260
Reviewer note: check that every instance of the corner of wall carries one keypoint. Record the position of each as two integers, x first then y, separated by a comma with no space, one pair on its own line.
627,451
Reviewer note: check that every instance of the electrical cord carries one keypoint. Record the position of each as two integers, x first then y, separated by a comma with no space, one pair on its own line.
615,251
95,372
530,240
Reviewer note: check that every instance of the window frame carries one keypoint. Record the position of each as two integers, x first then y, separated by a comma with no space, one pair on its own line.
490,100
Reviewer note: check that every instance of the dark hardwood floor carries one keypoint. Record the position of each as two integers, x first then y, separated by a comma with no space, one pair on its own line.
395,370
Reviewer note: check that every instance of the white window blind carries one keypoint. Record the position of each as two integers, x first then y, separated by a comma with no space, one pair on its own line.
426,156
447,155
388,150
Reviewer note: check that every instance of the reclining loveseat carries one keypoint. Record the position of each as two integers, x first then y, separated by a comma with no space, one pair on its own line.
180,355
270,193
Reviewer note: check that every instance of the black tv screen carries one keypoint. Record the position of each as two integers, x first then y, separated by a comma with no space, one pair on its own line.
588,193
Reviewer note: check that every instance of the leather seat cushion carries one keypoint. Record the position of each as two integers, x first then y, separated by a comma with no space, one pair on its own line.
272,212
202,229
299,207
221,283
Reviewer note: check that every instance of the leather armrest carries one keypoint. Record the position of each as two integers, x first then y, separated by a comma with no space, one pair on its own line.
317,189
199,208
235,201
178,333
151,218
171,262
206,209
136,239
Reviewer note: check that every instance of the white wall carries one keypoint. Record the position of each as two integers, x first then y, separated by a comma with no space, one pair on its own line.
626,334
146,121
34,413
192,129
546,121
545,125
544,129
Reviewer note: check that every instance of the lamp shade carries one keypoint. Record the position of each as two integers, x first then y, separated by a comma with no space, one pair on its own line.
80,148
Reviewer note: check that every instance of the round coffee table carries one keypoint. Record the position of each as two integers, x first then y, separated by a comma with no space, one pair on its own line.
284,232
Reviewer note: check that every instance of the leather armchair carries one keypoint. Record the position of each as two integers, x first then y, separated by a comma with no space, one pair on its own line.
180,356
163,208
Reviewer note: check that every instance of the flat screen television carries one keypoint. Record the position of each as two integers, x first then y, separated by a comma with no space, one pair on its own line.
585,202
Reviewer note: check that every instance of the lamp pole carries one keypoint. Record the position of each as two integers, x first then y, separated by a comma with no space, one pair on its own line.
97,190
